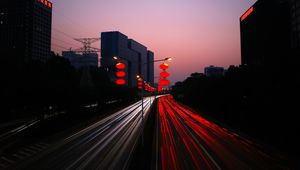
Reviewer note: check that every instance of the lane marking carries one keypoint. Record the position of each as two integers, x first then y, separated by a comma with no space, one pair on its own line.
30,151
35,148
24,153
18,156
7,160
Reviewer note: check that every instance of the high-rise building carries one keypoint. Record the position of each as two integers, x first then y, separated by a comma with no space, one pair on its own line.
266,34
25,29
138,60
295,23
79,61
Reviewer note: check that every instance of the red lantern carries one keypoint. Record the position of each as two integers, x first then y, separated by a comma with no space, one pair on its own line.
159,88
164,82
164,66
164,74
120,66
120,74
140,87
120,82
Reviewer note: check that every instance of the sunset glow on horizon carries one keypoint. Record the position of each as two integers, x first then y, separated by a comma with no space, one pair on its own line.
195,33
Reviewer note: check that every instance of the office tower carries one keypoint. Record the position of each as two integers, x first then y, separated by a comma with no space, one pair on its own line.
266,34
135,56
25,29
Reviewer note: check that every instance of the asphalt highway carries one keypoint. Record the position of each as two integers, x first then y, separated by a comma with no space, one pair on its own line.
188,141
106,144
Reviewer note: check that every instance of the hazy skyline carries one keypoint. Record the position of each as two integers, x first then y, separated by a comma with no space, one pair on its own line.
195,33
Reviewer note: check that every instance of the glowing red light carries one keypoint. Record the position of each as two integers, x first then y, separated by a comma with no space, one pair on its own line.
120,66
120,74
46,3
164,82
164,74
164,66
140,83
140,87
247,13
120,82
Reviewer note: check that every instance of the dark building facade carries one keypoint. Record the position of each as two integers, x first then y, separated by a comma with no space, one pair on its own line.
266,38
138,60
150,66
25,29
295,24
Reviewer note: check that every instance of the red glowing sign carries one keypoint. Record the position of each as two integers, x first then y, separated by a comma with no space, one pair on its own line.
45,2
164,66
247,13
140,87
140,83
120,66
164,74
120,82
120,74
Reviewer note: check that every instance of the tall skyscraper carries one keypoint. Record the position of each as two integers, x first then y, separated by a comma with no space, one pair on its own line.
25,29
295,23
266,34
138,60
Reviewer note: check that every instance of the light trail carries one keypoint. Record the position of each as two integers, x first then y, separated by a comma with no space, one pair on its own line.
106,144
188,141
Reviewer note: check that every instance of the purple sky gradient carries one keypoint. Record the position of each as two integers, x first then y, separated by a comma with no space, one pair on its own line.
195,33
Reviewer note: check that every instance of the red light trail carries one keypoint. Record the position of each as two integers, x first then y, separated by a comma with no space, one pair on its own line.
188,141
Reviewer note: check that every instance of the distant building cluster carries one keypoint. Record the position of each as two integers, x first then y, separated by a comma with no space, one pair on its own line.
213,71
270,34
80,61
137,58
25,29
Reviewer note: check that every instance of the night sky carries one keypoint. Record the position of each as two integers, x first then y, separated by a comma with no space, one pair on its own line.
195,33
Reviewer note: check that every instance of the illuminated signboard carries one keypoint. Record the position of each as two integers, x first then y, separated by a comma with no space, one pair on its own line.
45,2
247,13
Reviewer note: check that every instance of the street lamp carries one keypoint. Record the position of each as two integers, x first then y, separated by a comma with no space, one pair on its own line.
165,59
139,77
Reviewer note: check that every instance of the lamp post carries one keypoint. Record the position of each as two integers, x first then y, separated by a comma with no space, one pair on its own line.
139,77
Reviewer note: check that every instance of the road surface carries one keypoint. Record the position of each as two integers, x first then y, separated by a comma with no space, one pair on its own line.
188,141
106,144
